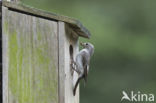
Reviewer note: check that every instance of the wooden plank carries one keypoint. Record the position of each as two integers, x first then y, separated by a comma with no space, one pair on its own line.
67,38
75,24
1,90
5,0
5,61
30,59
17,1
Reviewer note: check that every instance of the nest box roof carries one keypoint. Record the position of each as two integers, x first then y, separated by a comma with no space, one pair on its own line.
75,24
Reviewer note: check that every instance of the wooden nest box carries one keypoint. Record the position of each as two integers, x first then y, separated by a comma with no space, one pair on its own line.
36,51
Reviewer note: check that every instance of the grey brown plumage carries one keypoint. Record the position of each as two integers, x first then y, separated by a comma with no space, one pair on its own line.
82,63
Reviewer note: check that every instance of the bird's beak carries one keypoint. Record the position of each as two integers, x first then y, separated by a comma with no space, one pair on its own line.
82,44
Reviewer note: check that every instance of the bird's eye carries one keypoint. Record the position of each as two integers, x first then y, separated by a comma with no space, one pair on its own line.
86,43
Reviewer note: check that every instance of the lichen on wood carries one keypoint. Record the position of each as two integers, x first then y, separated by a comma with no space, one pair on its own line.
31,50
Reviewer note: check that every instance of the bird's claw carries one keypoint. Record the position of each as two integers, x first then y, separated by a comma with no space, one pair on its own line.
73,65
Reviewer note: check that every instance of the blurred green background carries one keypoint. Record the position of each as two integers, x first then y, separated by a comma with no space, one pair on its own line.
124,35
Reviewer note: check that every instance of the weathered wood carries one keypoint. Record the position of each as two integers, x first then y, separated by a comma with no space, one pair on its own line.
67,39
75,24
30,59
5,64
1,88
17,1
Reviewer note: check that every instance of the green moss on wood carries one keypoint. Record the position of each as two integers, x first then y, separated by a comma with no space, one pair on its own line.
5,27
24,86
13,48
32,58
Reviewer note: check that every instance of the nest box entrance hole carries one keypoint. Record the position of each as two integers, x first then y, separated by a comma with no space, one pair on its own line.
71,59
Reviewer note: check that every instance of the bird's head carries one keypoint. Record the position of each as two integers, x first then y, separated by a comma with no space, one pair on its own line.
88,46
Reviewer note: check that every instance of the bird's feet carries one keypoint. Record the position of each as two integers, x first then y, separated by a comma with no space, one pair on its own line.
73,65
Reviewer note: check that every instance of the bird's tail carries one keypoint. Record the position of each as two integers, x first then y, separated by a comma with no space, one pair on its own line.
85,74
75,87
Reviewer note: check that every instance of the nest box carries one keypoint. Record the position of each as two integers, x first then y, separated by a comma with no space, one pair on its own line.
37,48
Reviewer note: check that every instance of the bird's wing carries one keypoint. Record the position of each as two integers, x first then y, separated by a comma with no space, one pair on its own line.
85,64
82,60
85,73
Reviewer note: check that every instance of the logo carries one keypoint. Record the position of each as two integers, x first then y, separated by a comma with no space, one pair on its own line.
138,96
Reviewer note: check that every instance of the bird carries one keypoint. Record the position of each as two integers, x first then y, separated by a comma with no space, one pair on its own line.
82,62
125,96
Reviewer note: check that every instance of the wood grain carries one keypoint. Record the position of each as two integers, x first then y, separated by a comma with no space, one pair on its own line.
30,59
17,1
67,38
